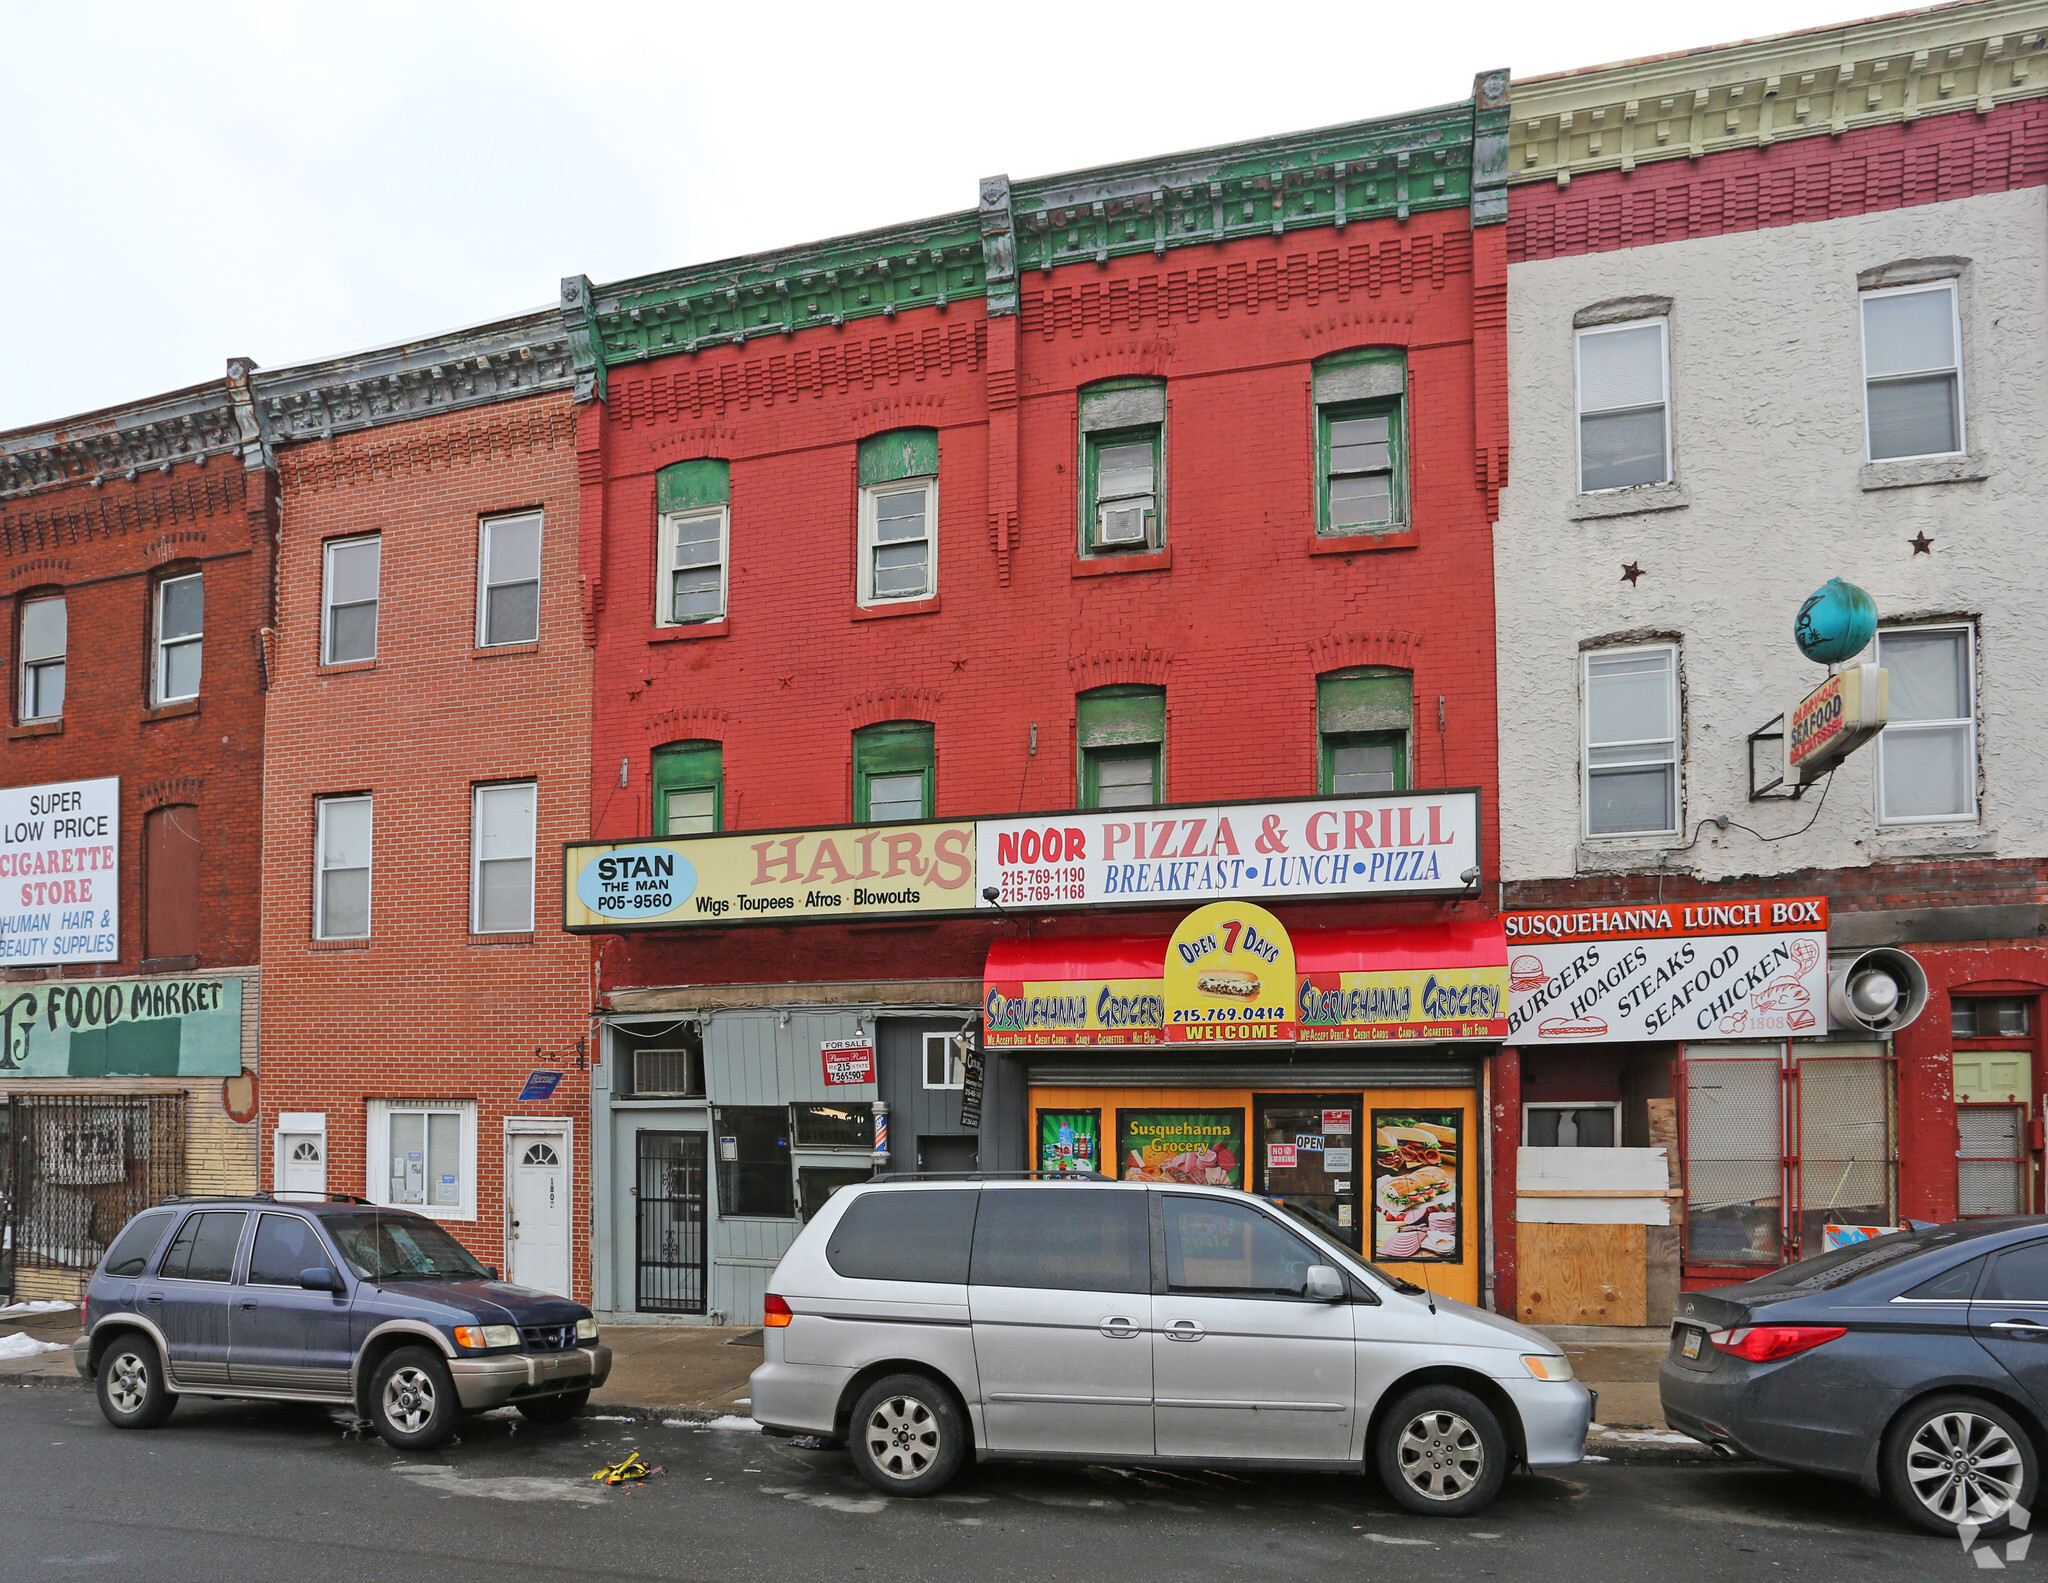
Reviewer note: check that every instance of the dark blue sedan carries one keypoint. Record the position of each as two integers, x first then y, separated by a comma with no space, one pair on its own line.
338,1301
1915,1364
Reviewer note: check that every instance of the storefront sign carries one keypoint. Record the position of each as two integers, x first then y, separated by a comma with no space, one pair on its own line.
848,1062
60,867
1202,1147
1229,977
1444,1003
973,1068
1021,1014
1412,844
853,871
1833,1237
160,1027
1069,1140
1417,1217
1836,719
539,1085
1686,970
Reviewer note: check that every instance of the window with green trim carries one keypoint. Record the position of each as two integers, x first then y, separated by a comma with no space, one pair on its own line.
693,501
1122,738
689,788
1123,467
899,516
1361,442
1364,718
893,771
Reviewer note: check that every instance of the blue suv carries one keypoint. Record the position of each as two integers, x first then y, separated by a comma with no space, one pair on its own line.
337,1301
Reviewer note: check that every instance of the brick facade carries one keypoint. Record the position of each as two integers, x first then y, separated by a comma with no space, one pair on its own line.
422,1009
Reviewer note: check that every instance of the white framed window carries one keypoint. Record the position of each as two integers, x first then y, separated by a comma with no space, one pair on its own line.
1573,1124
348,599
422,1156
501,858
508,580
180,623
1913,371
945,1061
898,545
1927,755
1624,400
44,626
341,868
693,562
1630,758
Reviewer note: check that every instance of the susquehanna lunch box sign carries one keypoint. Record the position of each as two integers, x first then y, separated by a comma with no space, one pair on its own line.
1408,844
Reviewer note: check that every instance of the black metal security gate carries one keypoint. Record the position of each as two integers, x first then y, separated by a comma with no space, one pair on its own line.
75,1167
671,1244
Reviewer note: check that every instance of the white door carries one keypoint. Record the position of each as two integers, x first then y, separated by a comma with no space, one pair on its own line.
540,1211
304,1160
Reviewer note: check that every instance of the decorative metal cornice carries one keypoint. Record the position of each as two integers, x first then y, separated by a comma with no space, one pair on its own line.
192,425
1490,117
1384,169
1749,95
415,379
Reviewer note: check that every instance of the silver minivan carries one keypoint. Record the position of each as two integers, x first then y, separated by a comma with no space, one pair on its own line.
1086,1320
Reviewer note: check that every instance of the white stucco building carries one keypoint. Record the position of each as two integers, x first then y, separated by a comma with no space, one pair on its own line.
1779,313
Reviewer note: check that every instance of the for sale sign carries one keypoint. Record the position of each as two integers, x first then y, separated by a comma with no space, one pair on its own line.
848,1062
1690,970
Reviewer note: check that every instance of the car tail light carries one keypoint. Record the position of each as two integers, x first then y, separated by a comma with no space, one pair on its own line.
1768,1343
775,1312
84,1312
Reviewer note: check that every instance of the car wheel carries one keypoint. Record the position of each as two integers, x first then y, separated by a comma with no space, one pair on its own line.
131,1384
908,1436
1958,1459
1440,1451
553,1409
412,1400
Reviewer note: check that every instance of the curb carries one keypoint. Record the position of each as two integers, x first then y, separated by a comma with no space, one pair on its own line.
1649,1446
60,1382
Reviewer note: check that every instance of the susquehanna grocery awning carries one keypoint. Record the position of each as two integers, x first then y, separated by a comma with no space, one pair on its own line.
1434,981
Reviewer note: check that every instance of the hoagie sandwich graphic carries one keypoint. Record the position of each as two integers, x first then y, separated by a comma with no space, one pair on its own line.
1239,986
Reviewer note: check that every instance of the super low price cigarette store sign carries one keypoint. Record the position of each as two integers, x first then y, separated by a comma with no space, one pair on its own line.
1691,971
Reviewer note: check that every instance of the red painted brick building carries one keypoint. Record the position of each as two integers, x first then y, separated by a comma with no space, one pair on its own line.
991,515
138,562
430,753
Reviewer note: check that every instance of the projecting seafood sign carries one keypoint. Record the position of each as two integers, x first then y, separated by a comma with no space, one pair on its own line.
1687,970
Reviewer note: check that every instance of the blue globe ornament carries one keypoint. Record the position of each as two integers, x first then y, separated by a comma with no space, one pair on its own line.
1836,623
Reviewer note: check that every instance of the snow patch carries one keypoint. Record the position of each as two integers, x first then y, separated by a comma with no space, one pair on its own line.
729,1421
23,1345
48,1305
446,1481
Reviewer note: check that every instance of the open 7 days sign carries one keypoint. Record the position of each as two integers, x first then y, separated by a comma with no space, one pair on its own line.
1690,970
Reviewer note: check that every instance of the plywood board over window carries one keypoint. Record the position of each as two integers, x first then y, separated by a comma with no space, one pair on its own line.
170,842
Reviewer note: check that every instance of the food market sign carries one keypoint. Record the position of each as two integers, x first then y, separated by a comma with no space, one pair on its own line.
1689,970
60,873
1413,844
118,1027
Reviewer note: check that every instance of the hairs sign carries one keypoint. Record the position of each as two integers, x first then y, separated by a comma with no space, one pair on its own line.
60,873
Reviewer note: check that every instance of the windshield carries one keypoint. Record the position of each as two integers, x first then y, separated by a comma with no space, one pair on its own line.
401,1247
1305,1220
1839,1266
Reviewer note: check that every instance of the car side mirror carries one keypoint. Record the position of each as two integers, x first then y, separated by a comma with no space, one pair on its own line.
491,1270
320,1279
1325,1283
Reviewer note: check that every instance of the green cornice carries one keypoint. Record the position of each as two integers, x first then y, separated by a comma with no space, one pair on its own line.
1369,170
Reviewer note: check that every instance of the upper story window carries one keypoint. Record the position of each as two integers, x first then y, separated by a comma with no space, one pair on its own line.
1363,718
1123,466
1361,441
1624,401
689,788
501,858
899,516
1122,732
1631,744
1913,371
170,881
693,503
893,771
180,618
341,868
43,626
508,580
348,600
1927,755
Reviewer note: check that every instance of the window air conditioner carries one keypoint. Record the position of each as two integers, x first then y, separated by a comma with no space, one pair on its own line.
668,1073
1122,524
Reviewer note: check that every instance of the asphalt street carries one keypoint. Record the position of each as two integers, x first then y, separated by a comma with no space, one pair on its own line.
233,1491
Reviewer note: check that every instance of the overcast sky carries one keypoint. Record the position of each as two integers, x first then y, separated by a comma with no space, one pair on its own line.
289,181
